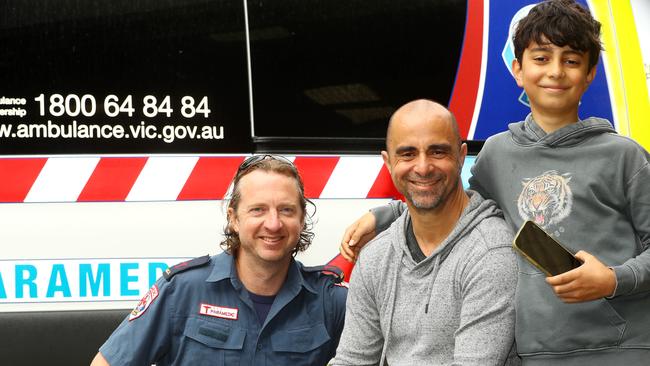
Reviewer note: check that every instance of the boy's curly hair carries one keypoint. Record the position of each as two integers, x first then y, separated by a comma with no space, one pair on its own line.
561,22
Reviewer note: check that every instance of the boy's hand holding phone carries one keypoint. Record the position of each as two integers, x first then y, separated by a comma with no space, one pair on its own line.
574,278
592,280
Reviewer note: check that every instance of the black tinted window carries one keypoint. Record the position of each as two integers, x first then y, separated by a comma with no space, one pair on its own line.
177,48
323,68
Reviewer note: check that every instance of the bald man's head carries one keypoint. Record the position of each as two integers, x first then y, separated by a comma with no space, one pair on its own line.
424,154
423,109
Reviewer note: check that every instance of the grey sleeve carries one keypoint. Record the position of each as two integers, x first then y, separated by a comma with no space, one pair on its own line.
486,332
387,214
362,340
477,171
633,276
474,183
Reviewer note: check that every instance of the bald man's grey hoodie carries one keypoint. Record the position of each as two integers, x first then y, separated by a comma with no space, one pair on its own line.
454,307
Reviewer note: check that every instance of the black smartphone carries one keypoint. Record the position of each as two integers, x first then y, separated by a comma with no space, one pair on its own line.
544,252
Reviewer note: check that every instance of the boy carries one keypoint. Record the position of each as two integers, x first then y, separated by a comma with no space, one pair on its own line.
583,183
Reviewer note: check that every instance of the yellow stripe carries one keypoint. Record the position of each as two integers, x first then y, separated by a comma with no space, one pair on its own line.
636,89
600,9
624,67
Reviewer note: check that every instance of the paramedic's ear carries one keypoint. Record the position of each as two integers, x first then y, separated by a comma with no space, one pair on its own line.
516,72
232,220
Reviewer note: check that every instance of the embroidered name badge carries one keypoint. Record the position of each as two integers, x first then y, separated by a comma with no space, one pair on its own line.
143,305
218,311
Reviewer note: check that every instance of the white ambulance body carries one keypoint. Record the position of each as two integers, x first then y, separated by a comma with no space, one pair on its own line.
122,123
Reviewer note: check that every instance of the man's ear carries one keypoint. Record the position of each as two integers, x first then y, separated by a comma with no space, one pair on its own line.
384,155
462,155
516,72
233,223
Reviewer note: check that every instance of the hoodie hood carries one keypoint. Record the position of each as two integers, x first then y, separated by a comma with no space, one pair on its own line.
477,210
528,132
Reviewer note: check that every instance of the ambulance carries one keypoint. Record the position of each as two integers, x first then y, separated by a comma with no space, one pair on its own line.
122,124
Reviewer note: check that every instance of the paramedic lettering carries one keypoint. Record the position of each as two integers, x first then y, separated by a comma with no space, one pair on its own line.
79,280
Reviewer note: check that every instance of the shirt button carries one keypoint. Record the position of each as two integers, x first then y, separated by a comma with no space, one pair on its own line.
259,347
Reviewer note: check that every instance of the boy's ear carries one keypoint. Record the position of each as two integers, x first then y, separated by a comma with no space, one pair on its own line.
591,75
516,71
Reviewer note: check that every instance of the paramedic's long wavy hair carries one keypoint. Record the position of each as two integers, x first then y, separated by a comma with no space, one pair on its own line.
275,164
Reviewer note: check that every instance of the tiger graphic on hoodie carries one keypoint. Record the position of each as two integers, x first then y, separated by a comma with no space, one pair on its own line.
546,199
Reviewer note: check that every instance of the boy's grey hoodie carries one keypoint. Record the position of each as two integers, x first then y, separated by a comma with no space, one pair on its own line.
590,188
453,308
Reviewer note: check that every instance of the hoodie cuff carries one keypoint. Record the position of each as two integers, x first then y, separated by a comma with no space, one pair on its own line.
625,280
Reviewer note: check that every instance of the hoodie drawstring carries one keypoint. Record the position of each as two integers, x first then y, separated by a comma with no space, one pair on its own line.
434,274
392,311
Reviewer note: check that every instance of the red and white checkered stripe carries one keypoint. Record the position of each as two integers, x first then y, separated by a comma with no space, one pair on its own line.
176,178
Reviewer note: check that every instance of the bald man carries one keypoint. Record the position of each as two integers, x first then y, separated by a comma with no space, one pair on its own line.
437,287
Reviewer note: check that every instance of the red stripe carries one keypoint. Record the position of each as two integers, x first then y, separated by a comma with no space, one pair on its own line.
315,172
210,178
343,265
112,179
18,176
463,98
383,186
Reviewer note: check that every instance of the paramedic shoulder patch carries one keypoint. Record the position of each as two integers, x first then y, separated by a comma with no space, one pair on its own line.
329,270
184,266
143,305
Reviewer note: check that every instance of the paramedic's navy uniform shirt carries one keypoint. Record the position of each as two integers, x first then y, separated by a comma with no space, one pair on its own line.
204,316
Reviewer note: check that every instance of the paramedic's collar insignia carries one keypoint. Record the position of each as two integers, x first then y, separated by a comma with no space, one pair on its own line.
184,266
143,305
334,271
